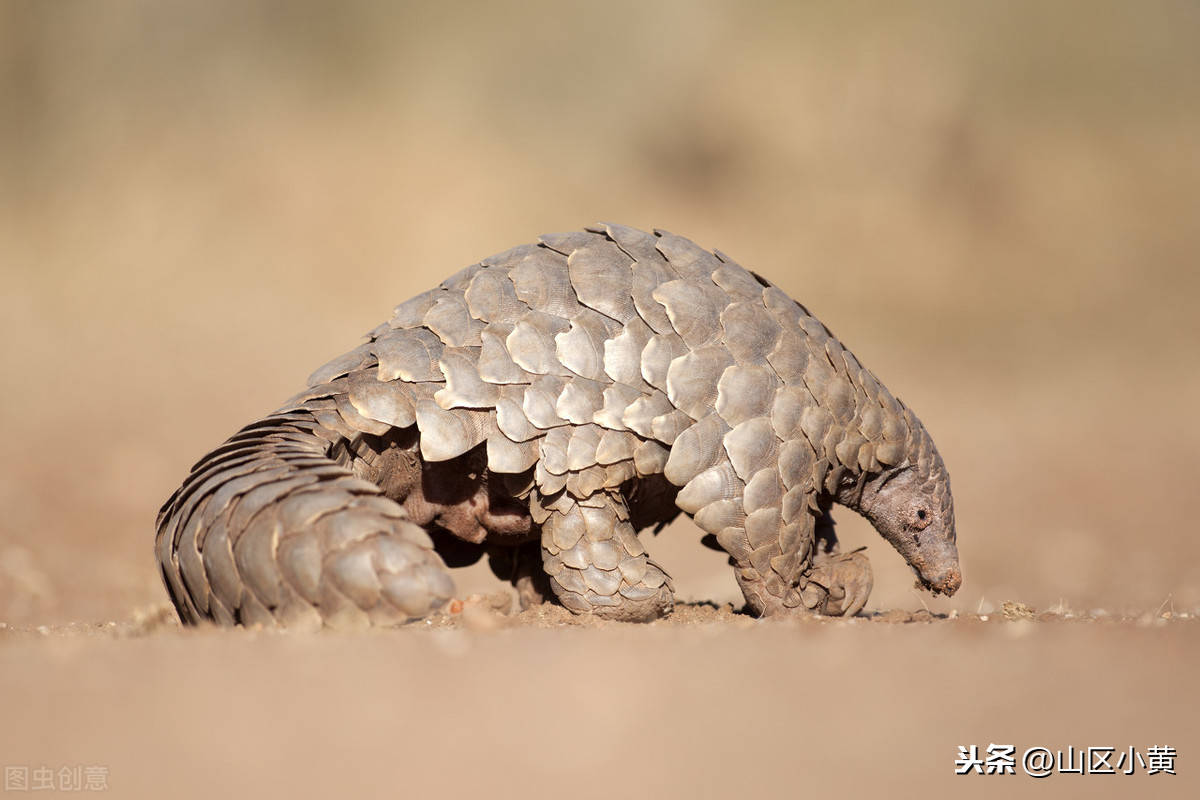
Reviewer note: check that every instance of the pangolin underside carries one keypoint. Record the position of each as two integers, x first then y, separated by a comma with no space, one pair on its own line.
542,407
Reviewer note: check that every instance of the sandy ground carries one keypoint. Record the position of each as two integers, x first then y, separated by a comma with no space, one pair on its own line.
992,206
709,704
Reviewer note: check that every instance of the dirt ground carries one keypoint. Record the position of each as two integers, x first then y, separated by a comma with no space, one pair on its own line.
993,206
708,704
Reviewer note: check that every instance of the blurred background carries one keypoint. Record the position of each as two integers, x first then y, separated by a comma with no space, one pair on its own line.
995,206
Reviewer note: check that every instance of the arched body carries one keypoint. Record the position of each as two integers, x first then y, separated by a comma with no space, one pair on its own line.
545,405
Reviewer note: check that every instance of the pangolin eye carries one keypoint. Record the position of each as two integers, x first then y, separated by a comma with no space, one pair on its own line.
921,513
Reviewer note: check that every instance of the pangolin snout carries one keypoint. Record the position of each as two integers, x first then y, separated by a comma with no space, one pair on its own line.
947,582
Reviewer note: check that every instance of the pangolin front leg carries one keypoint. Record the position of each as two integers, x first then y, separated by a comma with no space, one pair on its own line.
846,577
846,580
799,572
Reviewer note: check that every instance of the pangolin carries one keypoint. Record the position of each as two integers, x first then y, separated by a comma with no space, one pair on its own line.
542,407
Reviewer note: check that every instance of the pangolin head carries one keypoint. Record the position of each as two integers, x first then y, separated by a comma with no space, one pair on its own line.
911,506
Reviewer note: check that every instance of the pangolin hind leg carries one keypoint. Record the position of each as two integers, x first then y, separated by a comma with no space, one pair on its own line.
597,564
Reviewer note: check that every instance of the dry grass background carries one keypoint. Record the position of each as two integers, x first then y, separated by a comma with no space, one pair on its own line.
993,205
